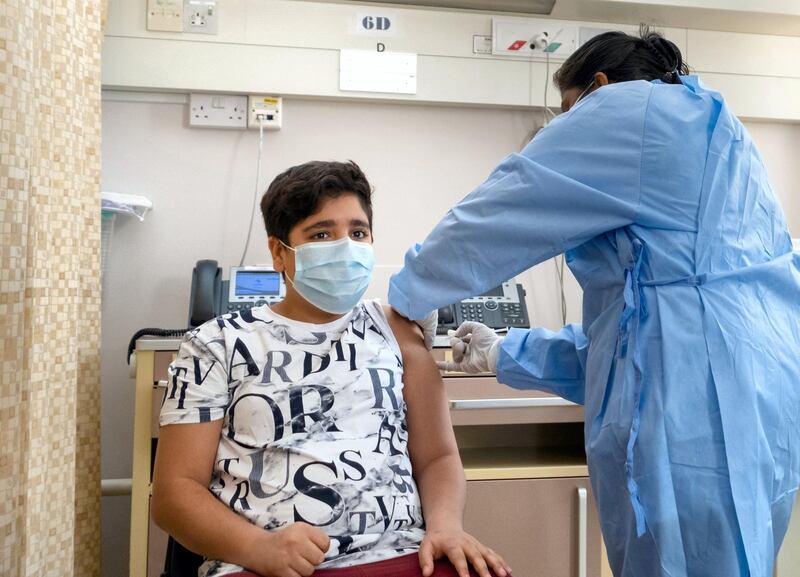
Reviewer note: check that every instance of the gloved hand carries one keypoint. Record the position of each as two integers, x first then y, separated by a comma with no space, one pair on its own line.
428,326
475,349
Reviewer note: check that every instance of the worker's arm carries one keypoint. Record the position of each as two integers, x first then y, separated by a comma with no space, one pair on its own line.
545,360
579,178
525,359
435,460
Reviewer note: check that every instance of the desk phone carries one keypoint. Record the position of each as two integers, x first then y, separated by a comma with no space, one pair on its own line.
498,308
247,287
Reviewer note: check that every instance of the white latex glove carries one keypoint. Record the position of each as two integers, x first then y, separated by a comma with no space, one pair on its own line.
428,326
475,349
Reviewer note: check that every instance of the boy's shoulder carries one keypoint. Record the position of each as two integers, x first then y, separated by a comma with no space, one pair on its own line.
406,332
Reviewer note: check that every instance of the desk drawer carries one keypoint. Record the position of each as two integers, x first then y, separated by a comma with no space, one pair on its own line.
483,401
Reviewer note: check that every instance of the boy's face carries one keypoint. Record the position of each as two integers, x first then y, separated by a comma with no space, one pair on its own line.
336,218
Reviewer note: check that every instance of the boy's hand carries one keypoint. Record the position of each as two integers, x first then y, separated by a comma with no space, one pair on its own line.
294,551
460,548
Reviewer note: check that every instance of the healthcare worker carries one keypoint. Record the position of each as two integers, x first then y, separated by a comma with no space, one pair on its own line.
688,358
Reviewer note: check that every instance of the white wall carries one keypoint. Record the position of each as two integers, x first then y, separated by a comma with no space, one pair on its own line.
420,160
780,146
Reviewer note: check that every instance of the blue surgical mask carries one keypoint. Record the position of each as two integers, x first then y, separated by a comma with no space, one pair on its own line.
332,276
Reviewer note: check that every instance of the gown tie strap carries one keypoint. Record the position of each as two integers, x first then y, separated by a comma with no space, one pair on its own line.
634,311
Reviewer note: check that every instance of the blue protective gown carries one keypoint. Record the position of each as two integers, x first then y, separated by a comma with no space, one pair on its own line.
687,357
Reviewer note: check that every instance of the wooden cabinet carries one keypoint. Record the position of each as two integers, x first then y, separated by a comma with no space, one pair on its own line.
528,491
542,527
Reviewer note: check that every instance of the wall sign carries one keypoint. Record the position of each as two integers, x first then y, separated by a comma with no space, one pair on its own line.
376,24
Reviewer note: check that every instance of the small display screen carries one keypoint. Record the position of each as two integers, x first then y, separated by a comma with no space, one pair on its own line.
495,292
257,282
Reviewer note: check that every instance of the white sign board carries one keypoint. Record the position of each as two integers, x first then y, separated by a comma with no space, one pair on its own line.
373,71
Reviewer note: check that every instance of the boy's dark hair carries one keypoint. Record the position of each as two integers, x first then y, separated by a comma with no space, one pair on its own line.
296,193
623,57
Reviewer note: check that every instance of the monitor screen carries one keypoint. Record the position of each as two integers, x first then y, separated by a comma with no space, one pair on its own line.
258,282
495,292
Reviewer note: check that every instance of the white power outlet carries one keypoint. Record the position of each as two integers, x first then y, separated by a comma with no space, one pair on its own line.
268,107
165,15
217,111
200,16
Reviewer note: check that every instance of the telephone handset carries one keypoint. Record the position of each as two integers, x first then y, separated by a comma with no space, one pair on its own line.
499,308
206,287
247,287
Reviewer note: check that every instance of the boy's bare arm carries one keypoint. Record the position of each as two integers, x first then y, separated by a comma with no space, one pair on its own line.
184,507
435,459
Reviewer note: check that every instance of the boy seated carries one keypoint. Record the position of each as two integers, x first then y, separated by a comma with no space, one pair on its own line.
311,436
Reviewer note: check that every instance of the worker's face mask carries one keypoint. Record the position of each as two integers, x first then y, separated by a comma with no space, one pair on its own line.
334,275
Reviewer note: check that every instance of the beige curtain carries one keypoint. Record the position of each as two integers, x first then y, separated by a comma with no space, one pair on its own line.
50,287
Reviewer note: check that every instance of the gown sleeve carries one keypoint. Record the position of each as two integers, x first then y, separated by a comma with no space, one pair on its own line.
542,359
579,178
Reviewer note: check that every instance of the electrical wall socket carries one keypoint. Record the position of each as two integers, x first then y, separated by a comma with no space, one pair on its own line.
217,111
271,107
200,16
165,15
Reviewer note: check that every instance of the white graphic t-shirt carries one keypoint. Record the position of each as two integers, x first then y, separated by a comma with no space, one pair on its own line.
314,427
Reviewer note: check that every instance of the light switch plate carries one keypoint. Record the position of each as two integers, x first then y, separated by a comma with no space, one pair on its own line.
165,15
200,16
217,111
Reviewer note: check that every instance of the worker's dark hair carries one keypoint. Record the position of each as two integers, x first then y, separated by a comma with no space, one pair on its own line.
623,57
296,193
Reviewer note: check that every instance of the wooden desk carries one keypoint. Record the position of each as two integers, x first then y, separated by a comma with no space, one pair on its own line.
153,355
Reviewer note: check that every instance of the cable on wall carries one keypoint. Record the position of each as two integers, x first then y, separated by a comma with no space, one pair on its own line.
256,188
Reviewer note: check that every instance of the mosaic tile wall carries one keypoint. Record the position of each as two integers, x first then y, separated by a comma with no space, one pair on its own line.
50,287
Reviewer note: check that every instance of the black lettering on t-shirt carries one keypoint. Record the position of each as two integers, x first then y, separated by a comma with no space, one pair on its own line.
299,413
240,495
354,464
279,367
247,361
366,324
230,319
226,464
257,472
363,519
387,515
379,387
308,363
344,542
340,355
318,492
277,419
399,480
199,378
392,430
179,372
